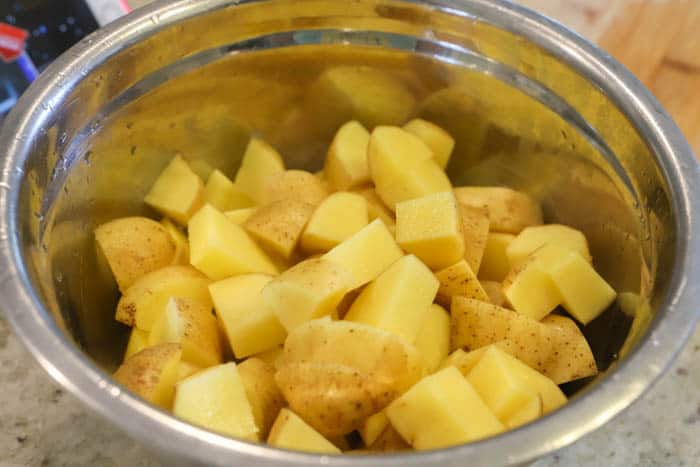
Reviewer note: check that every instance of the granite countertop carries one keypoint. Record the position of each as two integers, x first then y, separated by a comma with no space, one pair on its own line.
41,425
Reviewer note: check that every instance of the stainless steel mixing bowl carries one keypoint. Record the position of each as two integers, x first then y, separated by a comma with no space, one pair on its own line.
531,105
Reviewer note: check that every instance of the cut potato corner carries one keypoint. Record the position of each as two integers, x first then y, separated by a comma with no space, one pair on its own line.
223,194
259,162
433,339
291,432
398,300
389,440
526,414
177,192
372,427
248,323
442,410
192,325
278,226
185,370
494,263
510,211
337,218
532,239
182,245
239,216
459,280
138,340
134,246
152,373
377,209
271,356
529,290
494,290
464,361
346,162
219,248
265,398
438,140
297,185
475,229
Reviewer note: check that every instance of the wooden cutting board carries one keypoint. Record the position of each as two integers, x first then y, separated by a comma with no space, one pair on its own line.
659,40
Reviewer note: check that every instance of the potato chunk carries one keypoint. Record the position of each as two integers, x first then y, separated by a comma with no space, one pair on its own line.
337,218
438,140
398,300
494,264
219,248
134,246
442,410
373,426
308,290
240,216
529,290
138,340
291,432
225,195
459,280
152,373
182,245
475,229
367,253
346,162
572,358
377,209
259,162
215,399
401,166
433,340
430,227
526,414
265,398
510,211
177,192
249,324
495,292
279,225
534,238
297,185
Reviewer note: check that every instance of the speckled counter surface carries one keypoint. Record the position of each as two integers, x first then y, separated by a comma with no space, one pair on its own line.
41,425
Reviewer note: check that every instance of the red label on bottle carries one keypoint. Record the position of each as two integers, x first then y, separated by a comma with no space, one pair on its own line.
11,42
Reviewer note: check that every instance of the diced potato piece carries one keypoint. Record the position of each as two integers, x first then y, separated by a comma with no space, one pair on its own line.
336,219
495,292
192,325
260,161
442,410
177,192
363,93
215,399
402,168
182,245
459,280
298,185
249,324
475,228
279,225
530,290
534,238
152,373
134,246
308,290
186,370
265,398
389,440
143,302
438,140
138,340
201,167
372,427
464,361
398,300
367,253
377,209
346,162
271,356
510,211
433,340
240,216
526,414
572,357
291,432
431,228
219,248
495,265
223,194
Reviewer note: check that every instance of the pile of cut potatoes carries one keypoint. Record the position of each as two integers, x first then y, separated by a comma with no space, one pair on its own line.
369,307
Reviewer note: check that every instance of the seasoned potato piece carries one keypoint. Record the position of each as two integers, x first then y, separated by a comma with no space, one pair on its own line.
152,373
215,399
433,340
219,248
247,321
367,253
430,227
495,292
192,325
459,280
398,300
401,166
572,358
442,410
475,228
182,246
291,432
143,302
134,246
373,427
530,290
510,211
240,216
438,140
534,238
223,194
265,398
279,225
308,290
377,209
259,162
298,185
138,340
177,192
389,440
494,264
336,219
346,162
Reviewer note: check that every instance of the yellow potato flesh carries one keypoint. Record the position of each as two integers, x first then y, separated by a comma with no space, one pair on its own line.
373,426
346,162
459,280
138,340
259,162
337,218
177,192
494,290
152,373
182,246
526,414
291,432
510,211
464,361
265,398
223,194
494,264
239,216
433,339
438,140
377,209
279,225
389,440
185,370
533,238
475,229
519,288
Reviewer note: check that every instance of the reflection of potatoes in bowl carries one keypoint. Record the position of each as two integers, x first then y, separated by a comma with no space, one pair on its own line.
185,88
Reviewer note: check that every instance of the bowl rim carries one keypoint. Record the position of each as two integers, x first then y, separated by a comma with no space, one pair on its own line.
188,444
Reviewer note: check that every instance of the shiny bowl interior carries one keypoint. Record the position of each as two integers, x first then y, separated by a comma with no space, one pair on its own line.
531,105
